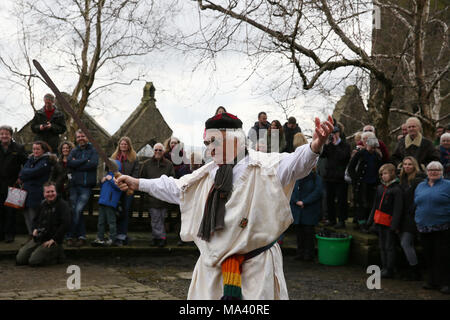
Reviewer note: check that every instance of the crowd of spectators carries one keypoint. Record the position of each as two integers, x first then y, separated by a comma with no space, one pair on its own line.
403,198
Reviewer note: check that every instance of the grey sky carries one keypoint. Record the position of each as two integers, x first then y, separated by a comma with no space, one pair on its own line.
185,98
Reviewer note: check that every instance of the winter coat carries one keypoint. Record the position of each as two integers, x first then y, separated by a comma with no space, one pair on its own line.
34,174
384,151
11,162
423,154
130,168
182,168
337,157
55,217
84,166
360,165
407,223
260,132
289,137
51,136
60,175
109,193
432,203
445,160
309,190
153,168
281,142
392,203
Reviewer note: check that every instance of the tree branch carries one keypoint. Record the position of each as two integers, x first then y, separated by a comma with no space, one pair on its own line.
411,114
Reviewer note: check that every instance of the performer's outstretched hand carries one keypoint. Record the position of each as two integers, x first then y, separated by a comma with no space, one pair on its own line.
321,133
125,183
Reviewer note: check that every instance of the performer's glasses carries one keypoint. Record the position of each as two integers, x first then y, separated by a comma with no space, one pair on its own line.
213,141
160,150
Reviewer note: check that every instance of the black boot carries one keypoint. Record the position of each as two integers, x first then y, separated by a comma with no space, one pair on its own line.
415,273
387,273
162,243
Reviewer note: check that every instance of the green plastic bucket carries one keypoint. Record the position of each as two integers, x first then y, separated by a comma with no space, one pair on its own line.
333,251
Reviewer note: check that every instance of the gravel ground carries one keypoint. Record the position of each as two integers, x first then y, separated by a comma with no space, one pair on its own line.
305,280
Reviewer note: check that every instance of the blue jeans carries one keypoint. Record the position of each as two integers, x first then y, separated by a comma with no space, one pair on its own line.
106,215
79,197
122,221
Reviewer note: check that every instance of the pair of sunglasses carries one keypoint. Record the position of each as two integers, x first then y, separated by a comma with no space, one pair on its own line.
213,141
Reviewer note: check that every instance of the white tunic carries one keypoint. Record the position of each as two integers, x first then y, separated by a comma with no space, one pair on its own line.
262,185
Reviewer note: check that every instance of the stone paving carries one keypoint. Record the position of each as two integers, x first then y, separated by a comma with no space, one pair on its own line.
130,291
98,280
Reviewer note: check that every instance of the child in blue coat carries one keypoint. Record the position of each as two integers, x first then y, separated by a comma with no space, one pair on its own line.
107,209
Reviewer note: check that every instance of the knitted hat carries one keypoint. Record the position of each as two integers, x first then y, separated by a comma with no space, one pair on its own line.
223,121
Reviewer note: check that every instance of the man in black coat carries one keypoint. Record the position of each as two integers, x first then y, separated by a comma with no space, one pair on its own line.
12,158
290,128
416,145
49,226
48,123
337,152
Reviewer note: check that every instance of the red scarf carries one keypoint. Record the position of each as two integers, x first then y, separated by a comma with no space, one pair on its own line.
49,113
122,157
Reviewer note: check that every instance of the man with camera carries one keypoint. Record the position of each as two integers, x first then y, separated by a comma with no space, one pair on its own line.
48,123
337,152
49,226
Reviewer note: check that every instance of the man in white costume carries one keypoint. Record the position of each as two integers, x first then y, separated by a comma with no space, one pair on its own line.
235,208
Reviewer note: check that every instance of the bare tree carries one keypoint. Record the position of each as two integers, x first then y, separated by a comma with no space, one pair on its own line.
91,41
322,38
423,58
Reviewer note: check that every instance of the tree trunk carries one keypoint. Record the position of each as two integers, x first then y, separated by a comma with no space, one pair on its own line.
378,108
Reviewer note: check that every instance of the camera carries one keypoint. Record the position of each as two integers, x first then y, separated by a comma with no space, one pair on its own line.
330,138
373,142
40,235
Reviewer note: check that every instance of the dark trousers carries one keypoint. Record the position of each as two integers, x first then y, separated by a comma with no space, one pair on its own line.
387,240
436,250
34,254
305,240
364,197
124,215
337,190
7,220
106,216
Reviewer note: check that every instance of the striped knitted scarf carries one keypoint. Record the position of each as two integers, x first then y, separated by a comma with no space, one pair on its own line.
231,273
232,269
